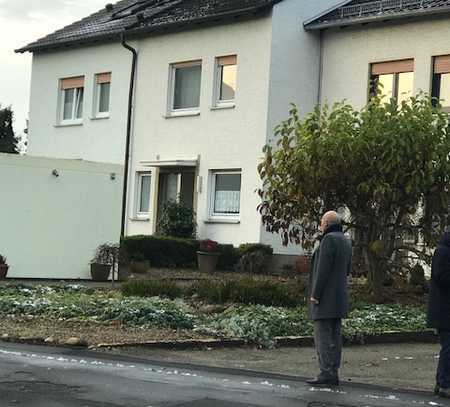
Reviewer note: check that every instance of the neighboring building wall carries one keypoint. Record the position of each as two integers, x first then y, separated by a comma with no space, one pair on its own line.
224,139
51,226
347,55
100,140
294,73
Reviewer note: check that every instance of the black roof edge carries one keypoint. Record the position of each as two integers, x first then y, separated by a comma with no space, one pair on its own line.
160,29
328,10
311,26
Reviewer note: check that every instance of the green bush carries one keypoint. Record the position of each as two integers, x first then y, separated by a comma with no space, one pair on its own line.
152,288
254,258
177,220
250,291
255,247
229,257
161,251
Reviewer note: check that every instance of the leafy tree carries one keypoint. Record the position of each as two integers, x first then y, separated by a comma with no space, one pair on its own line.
8,141
386,166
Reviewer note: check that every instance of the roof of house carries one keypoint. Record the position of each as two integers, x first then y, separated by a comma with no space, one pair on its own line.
354,12
138,17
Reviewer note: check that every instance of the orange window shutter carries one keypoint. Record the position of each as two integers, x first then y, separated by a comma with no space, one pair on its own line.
229,60
104,77
70,83
442,64
384,68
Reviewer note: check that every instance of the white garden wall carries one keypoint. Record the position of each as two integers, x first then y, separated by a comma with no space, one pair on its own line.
51,225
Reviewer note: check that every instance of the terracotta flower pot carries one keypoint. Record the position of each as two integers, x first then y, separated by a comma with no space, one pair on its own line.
100,272
207,262
3,271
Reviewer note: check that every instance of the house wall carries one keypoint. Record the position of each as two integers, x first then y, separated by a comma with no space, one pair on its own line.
101,140
294,73
223,139
51,226
348,54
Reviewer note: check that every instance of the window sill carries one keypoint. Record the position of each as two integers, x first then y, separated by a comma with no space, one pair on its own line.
187,113
223,220
69,124
136,219
99,117
224,106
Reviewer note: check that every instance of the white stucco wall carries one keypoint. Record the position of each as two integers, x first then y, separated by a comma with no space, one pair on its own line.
51,226
294,73
348,54
224,139
101,140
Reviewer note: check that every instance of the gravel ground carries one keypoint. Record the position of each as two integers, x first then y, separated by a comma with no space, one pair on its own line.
93,333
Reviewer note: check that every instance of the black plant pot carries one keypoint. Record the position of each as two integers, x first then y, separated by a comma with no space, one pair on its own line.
100,272
207,262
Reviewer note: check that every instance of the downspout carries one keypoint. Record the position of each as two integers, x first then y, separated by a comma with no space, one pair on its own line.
128,138
319,94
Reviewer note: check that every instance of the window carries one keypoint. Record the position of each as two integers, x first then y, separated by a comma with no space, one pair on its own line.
185,86
143,187
441,81
226,75
395,80
103,91
226,194
72,92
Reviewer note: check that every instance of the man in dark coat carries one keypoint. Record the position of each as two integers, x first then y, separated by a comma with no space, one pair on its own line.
439,311
328,305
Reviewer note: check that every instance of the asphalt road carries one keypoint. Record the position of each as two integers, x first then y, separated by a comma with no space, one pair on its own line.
49,377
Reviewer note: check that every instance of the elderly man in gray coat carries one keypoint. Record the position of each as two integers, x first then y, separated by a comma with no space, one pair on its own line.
328,305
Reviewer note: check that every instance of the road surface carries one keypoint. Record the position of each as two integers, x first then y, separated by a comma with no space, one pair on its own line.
34,376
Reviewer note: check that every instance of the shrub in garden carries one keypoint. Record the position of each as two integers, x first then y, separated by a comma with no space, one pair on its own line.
152,288
229,257
177,220
254,258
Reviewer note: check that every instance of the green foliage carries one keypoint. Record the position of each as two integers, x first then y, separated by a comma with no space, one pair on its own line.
250,291
177,220
152,288
381,164
172,252
8,141
255,247
254,258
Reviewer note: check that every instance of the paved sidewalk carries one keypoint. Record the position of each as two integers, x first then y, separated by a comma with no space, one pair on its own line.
405,366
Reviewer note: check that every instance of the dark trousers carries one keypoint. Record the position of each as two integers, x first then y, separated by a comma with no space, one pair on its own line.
443,371
328,342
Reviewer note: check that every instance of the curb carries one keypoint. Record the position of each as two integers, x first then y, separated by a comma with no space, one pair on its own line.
283,341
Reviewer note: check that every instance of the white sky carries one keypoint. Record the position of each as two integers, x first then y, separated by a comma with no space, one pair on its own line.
21,22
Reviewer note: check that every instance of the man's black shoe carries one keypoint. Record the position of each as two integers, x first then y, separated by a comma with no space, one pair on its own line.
445,393
323,382
437,389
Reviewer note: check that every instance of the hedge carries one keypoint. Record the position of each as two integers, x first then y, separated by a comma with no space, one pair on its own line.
172,252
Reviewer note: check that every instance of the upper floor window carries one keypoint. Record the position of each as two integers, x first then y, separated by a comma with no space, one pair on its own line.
185,86
441,81
72,93
102,94
395,80
225,82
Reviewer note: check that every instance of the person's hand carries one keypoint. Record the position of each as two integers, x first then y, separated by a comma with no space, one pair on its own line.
314,301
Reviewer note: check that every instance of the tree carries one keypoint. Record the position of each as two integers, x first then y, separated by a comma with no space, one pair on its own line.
386,166
8,141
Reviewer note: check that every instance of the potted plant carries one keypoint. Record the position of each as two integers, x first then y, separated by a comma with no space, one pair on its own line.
208,255
3,267
106,257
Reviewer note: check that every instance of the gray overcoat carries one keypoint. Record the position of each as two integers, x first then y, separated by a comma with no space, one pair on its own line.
331,264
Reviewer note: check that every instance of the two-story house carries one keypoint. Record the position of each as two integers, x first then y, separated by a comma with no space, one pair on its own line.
212,78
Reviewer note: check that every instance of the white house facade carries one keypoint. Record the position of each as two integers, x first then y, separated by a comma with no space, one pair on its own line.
212,80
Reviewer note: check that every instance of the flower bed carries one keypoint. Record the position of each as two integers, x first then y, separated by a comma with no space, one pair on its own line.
254,323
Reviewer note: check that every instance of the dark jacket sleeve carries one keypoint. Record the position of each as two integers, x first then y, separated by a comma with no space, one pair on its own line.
325,266
442,270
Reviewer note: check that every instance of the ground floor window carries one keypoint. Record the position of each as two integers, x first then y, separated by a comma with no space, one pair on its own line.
226,193
143,186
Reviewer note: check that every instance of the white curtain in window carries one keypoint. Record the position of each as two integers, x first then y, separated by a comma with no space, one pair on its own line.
144,205
187,87
227,202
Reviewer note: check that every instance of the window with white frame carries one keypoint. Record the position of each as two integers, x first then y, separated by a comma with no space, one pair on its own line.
103,93
226,193
72,94
143,186
226,77
185,86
